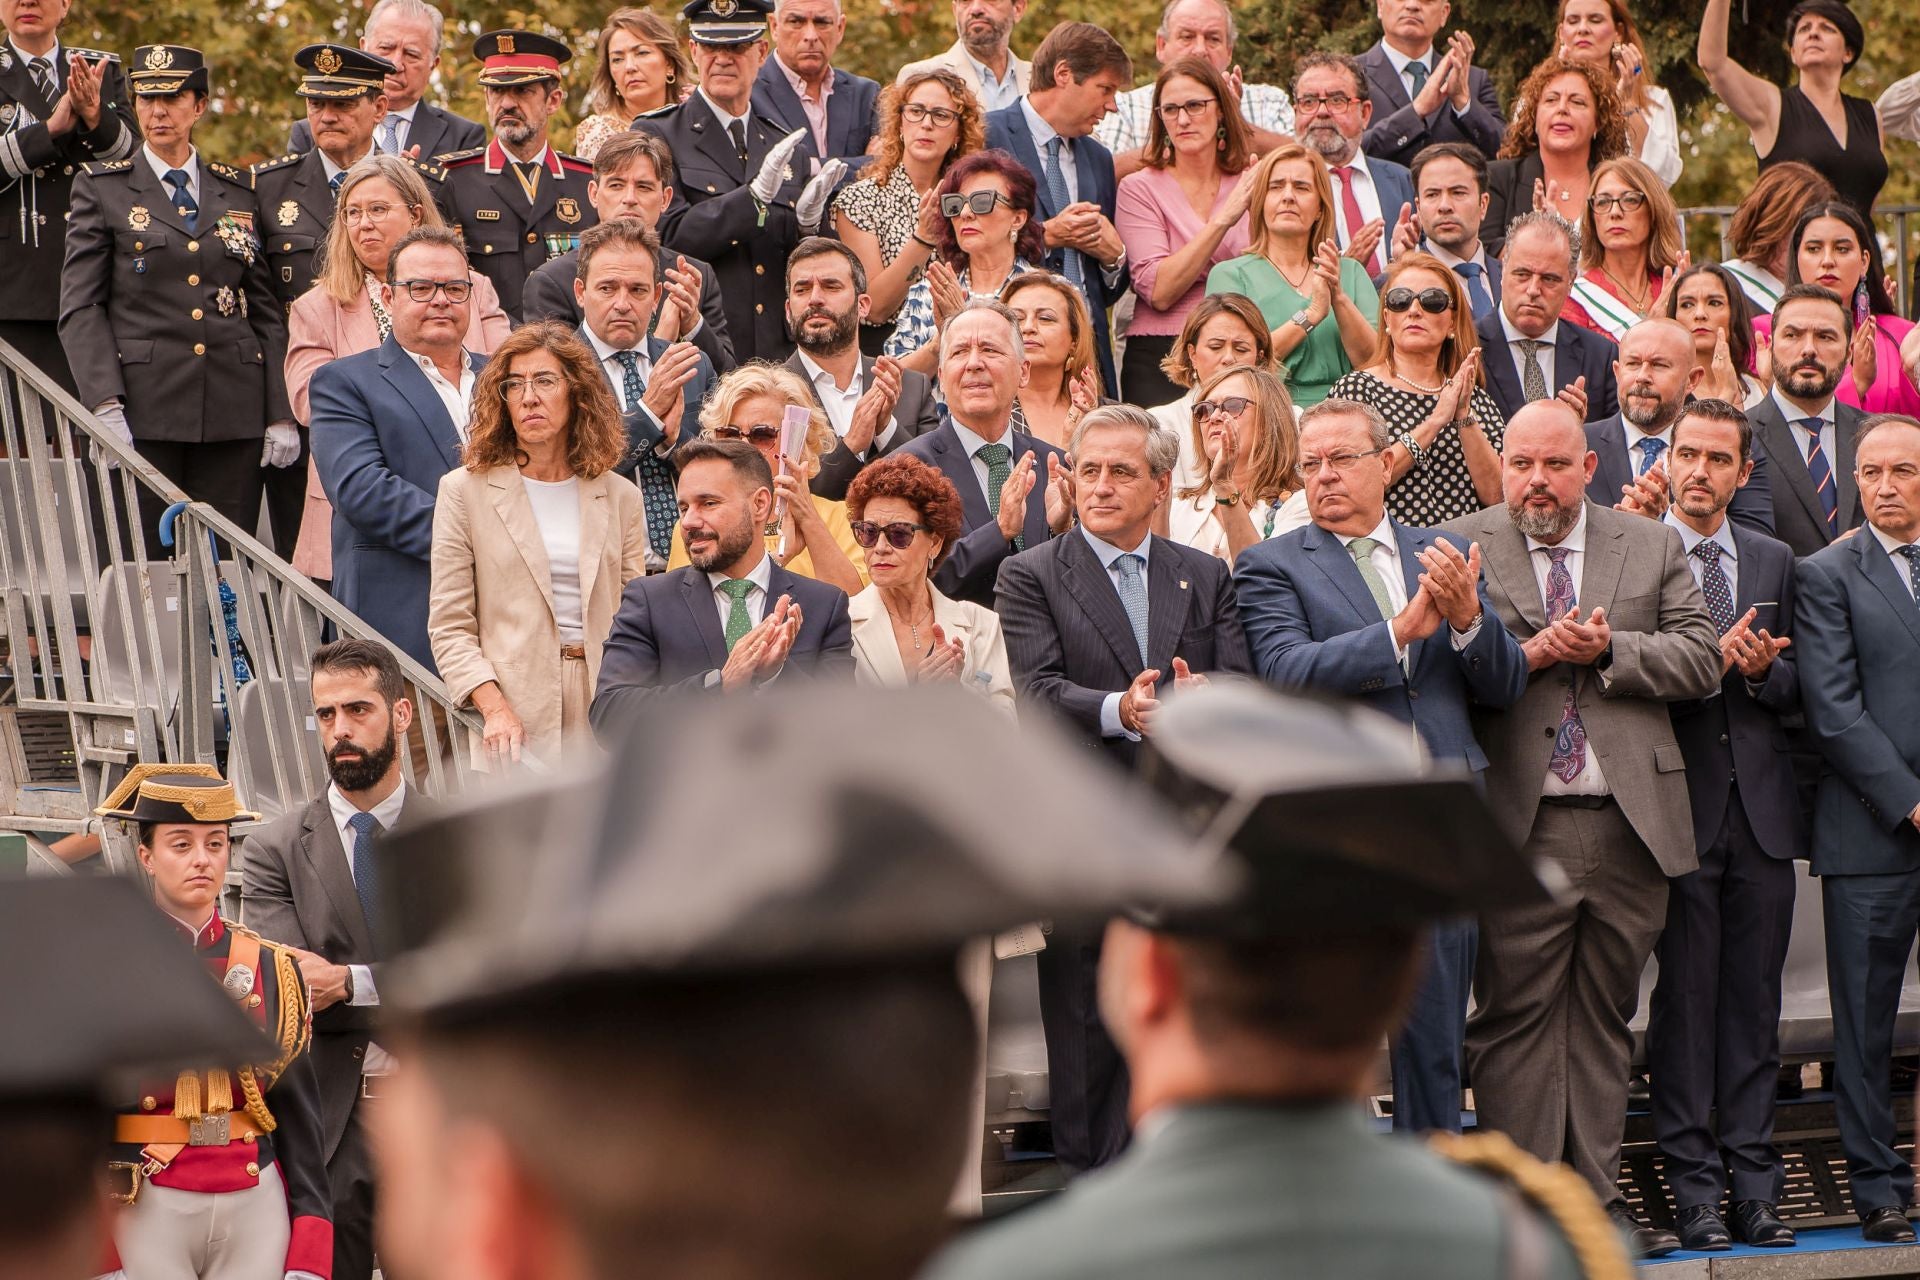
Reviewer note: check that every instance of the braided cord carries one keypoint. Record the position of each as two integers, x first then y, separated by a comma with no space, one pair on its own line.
1557,1191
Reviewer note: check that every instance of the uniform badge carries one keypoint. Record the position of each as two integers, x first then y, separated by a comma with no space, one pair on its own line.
238,239
138,218
159,58
503,43
326,62
139,266
6,60
238,982
223,299
723,8
289,213
567,209
487,215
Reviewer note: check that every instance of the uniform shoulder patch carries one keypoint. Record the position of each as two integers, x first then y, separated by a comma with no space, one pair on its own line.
237,176
429,170
278,162
108,166
449,159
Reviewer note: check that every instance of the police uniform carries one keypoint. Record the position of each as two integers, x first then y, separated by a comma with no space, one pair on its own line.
714,214
173,313
516,215
36,183
223,1169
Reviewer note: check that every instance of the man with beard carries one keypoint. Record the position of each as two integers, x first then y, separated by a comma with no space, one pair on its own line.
1614,629
517,201
309,882
874,405
1332,106
1808,433
983,55
1656,375
733,620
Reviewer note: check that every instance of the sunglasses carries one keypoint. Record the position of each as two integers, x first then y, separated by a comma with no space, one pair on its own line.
1232,406
899,535
758,433
980,203
1432,301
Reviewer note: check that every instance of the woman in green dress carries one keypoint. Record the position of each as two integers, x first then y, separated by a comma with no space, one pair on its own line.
1321,306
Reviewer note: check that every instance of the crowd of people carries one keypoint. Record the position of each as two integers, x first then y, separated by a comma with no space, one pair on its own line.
1076,393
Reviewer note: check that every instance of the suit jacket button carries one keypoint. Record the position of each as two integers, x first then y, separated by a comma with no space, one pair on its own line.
199,348
358,1050
1549,731
1723,739
710,190
759,308
532,236
253,1001
253,1170
68,171
1413,693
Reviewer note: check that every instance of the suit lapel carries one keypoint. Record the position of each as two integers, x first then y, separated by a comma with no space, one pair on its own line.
1028,154
1331,557
958,467
1567,362
1169,600
315,196
840,115
1498,360
1605,559
873,638
1781,440
593,532
1616,464
1387,85
697,593
332,864
1035,526
1504,556
712,138
426,132
149,192
17,83
411,383
1092,587
782,103
1846,492
1886,578
509,496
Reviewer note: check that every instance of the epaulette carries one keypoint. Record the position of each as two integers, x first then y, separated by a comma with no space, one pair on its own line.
452,158
278,162
238,177
429,170
659,112
1559,1194
107,166
574,163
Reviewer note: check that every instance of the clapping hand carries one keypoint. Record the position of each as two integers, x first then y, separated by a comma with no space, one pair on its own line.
943,285
1460,87
666,393
874,408
681,309
761,652
1574,396
1751,651
1060,508
1366,240
775,169
1013,497
1863,358
945,659
1138,703
1452,582
1646,495
1406,233
1667,276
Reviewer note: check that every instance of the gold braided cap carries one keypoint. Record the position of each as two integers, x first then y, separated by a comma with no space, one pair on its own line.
174,793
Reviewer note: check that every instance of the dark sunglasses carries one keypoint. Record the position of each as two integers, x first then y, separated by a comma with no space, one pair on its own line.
980,203
899,535
1232,406
758,433
1432,301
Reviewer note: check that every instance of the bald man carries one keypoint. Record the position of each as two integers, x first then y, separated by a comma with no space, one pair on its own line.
1656,377
1586,772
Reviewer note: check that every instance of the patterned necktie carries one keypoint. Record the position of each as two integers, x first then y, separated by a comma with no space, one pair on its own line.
390,134
1533,379
1912,553
1060,197
1650,450
999,460
1475,276
1570,743
738,620
1418,72
1822,473
366,876
1362,549
1350,213
183,199
333,183
1713,584
42,72
657,489
737,130
1133,598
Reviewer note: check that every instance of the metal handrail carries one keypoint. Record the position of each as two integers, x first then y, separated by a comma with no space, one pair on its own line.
1901,240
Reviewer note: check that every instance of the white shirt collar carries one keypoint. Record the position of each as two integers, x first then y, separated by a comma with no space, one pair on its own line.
817,375
1793,413
1550,338
1448,258
54,56
329,168
761,576
1382,534
606,350
432,370
1691,537
407,113
1889,544
985,72
726,118
1043,133
1575,541
1109,553
971,440
1400,60
386,813
161,167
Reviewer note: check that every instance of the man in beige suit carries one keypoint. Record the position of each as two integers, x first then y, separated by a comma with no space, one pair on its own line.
1586,771
983,55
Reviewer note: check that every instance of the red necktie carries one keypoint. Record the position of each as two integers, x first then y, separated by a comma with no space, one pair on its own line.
1350,213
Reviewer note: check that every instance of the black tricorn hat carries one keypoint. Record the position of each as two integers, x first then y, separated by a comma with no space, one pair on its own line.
174,793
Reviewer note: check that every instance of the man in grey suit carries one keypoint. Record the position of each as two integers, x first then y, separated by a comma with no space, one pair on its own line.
1586,772
1806,434
309,882
1857,623
874,405
407,34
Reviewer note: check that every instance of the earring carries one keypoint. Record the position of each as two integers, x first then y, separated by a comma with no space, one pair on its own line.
1862,299
671,77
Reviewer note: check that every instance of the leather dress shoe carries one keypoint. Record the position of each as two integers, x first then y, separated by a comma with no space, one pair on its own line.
1755,1222
1887,1225
1644,1241
1702,1230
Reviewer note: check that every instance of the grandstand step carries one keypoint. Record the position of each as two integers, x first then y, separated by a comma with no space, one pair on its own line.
1822,1254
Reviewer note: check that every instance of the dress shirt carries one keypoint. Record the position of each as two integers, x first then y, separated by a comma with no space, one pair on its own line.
1401,62
1901,568
400,134
1634,435
1386,563
971,440
1110,726
840,404
1450,259
1589,781
1793,413
56,58
329,168
1691,537
760,577
161,168
1128,125
1549,343
378,1061
457,399
995,94
815,106
725,117
1366,193
616,371
1043,133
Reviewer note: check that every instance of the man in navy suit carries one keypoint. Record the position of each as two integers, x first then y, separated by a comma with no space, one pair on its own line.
387,425
732,620
1857,624
801,88
1013,489
1078,70
1713,1043
1449,204
1803,428
407,34
1097,623
1358,606
1427,94
1526,350
1370,195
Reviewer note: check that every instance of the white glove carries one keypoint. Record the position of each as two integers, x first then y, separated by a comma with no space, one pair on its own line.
114,418
813,201
773,170
282,446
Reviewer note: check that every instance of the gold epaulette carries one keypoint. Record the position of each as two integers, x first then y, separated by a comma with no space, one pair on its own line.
429,170
1561,1195
108,166
278,162
237,176
448,159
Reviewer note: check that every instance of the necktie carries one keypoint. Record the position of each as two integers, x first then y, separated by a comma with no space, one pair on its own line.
656,477
999,460
183,199
1912,553
1713,584
333,183
1822,473
738,621
390,134
737,130
1650,450
366,876
1418,73
1350,213
1362,549
1533,379
1570,743
1060,198
1133,598
42,72
1475,276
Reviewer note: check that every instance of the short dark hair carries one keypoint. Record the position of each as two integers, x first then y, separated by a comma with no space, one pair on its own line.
1814,293
445,237
1714,409
1086,48
1327,994
748,462
622,149
822,246
1465,153
354,656
620,233
1874,421
1325,58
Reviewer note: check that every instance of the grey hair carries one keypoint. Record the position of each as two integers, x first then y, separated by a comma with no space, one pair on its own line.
1165,28
1163,446
1548,220
412,10
1379,434
998,308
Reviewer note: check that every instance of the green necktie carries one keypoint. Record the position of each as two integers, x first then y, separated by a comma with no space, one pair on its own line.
999,460
738,623
1361,549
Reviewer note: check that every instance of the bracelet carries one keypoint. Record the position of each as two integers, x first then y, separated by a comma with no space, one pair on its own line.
1415,452
1469,421
922,240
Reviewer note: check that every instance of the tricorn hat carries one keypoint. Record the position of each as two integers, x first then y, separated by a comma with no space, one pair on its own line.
174,793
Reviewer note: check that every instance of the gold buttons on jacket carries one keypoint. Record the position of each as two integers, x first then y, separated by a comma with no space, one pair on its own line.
147,1103
139,246
286,246
253,1001
253,1170
199,348
532,236
193,246
758,269
197,313
759,308
193,279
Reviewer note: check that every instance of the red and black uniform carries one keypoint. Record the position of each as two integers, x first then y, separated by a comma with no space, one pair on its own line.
515,216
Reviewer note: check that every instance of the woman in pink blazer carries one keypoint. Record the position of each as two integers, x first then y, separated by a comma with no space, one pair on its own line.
381,199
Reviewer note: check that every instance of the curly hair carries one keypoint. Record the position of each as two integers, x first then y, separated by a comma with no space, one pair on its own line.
1031,244
1609,128
1233,144
759,378
1178,366
922,487
972,136
1271,465
596,436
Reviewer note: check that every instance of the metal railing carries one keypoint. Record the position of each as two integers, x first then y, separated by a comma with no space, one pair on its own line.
202,656
1895,222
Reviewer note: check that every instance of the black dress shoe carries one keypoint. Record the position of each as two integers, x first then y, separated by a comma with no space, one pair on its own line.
1702,1230
1644,1241
1887,1225
1756,1223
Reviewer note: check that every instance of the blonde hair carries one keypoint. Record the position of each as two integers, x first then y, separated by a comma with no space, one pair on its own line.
1276,449
1664,245
759,378
339,270
1323,227
1454,348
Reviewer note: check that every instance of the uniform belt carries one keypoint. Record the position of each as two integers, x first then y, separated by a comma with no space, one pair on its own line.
173,1131
1577,802
577,652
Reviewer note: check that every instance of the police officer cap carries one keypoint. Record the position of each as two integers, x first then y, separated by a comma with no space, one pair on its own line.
103,992
341,71
508,58
1341,818
727,21
162,70
807,828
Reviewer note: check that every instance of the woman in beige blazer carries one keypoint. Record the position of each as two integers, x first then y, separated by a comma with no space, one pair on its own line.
381,199
534,539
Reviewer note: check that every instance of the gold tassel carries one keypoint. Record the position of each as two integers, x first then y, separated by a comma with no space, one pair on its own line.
219,1093
186,1096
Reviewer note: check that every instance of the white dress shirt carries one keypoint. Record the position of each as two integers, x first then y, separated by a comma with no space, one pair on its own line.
1110,726
1450,259
1589,781
329,168
1549,343
1793,414
840,404
1043,133
1691,537
1902,569
191,167
726,119
1386,562
1365,192
377,1061
458,399
970,440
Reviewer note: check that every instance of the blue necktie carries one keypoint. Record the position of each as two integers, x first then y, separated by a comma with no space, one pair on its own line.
1058,194
390,134
1133,598
1475,276
1713,584
183,199
333,183
366,877
1650,450
657,489
1821,472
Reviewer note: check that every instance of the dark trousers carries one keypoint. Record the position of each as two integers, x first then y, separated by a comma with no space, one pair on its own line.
1713,1038
286,490
1871,923
1086,1076
1429,1053
350,1176
1141,379
224,474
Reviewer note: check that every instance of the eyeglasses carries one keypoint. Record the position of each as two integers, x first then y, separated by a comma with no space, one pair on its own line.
1232,406
1310,103
1339,462
899,535
1432,301
1172,111
457,291
758,433
980,203
919,113
544,383
1626,202
360,213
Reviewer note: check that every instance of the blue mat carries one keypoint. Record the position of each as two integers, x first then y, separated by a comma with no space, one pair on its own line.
1815,1240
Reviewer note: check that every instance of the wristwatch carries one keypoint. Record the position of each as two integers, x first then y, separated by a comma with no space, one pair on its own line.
1301,318
1233,501
349,969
